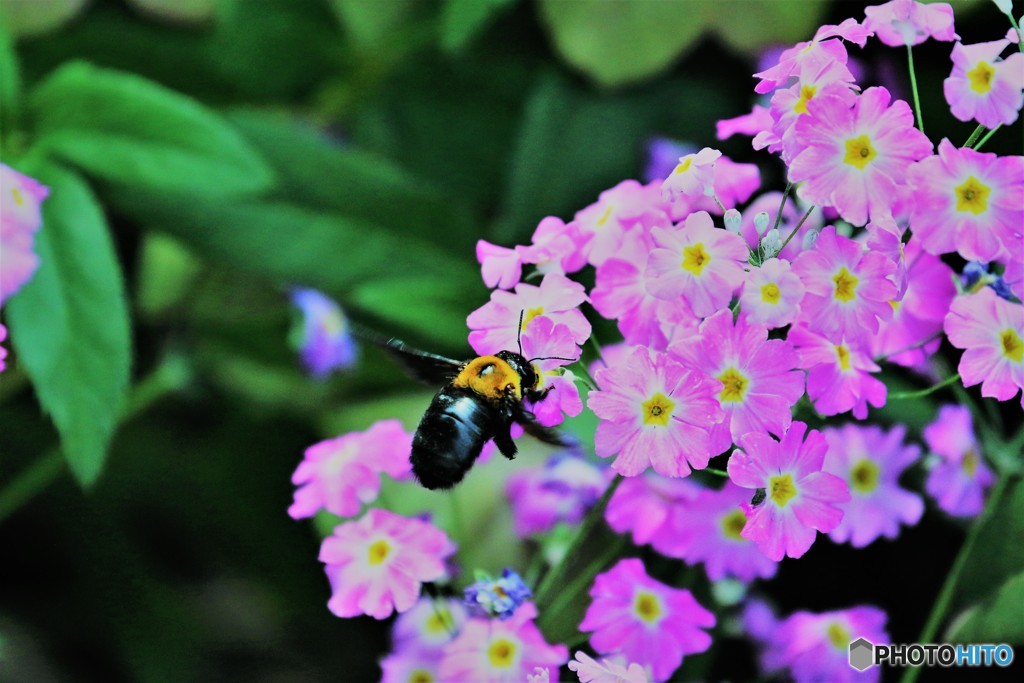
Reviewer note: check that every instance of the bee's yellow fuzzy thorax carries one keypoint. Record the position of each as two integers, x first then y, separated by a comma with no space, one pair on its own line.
489,376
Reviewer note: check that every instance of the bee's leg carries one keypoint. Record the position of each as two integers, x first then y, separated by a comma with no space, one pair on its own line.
503,440
537,396
538,431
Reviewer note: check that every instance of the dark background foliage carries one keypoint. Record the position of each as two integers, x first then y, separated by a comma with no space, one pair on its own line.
390,138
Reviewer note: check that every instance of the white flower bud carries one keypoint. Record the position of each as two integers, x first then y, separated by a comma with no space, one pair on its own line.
771,244
761,222
809,239
733,220
1005,6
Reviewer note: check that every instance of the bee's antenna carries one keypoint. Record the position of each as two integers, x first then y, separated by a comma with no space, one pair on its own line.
519,332
572,360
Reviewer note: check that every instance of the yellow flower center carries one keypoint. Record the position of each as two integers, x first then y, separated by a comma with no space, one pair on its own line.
838,635
606,215
770,293
658,410
17,196
1013,346
972,196
859,152
733,523
781,489
846,285
806,94
502,653
435,623
695,258
969,464
379,552
864,476
981,77
734,385
530,314
683,165
420,676
843,354
895,305
647,607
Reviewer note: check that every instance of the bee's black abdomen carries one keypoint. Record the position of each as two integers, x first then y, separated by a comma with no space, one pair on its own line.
450,437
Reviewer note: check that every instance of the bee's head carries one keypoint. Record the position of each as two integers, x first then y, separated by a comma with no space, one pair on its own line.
527,375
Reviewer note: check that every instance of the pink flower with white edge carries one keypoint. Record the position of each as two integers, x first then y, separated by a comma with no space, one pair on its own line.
500,651
495,325
991,330
912,336
760,382
800,499
871,461
549,347
885,237
959,480
340,475
905,22
21,199
1013,276
771,294
816,646
854,159
759,119
377,564
560,491
812,54
848,289
541,674
788,104
556,247
590,670
648,622
642,506
693,177
709,530
499,266
604,223
838,374
732,184
411,665
654,413
969,202
697,261
429,625
983,87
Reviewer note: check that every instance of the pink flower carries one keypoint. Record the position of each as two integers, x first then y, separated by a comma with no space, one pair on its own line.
605,222
983,87
871,461
969,202
905,22
959,480
759,381
813,54
499,266
816,647
500,651
1013,276
848,290
429,625
495,325
788,104
702,264
555,247
607,671
759,119
856,158
645,620
21,199
541,674
772,294
548,346
411,665
693,177
644,505
376,564
560,491
917,317
654,412
991,330
838,375
800,498
708,529
3,351
341,474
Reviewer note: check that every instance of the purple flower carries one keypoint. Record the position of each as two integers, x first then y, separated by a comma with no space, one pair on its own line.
959,480
560,491
21,199
324,341
816,646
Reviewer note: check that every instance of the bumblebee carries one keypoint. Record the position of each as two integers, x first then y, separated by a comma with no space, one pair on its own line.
480,400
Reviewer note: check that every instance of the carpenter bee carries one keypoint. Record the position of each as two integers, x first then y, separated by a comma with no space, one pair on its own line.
479,401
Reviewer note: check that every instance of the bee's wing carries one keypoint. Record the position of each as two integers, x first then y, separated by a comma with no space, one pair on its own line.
429,368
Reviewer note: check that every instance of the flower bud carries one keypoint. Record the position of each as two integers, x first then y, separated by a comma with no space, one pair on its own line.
732,220
761,222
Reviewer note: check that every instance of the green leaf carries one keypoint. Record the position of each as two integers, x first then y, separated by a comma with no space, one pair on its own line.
124,128
10,75
784,22
371,24
38,16
69,323
617,41
1000,619
461,20
997,554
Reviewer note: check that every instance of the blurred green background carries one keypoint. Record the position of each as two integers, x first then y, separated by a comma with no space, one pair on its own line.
238,148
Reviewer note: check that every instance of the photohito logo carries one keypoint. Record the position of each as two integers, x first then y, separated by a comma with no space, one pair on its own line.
865,654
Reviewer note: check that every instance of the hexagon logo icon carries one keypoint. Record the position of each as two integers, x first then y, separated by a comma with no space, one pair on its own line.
861,654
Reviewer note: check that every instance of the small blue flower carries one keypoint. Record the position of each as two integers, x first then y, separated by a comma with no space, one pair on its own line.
489,597
976,275
322,337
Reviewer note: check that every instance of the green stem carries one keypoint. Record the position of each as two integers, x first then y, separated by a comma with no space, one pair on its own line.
974,136
942,603
796,229
900,395
554,577
583,579
989,134
782,205
913,88
720,473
